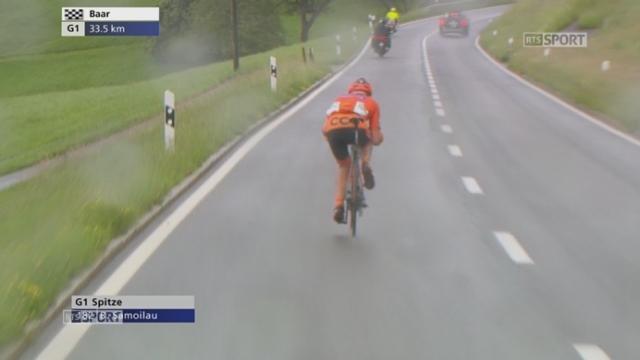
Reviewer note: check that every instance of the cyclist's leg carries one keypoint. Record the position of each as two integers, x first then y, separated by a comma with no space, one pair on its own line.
366,153
344,166
339,142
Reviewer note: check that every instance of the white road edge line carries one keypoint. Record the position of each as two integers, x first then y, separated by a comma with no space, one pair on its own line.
440,112
437,103
472,185
557,100
513,248
447,129
68,337
591,352
455,150
435,96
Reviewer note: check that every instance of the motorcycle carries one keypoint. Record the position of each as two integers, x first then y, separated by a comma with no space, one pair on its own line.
379,44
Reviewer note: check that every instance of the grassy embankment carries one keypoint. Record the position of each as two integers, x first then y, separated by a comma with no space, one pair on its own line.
575,74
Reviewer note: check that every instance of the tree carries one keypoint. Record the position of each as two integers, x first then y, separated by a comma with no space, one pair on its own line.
308,11
200,31
235,52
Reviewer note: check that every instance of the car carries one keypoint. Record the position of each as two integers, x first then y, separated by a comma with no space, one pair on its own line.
454,22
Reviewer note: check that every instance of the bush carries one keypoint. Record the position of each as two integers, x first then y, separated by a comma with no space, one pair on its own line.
590,20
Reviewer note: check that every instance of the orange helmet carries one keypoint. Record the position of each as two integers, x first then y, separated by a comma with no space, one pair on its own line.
361,85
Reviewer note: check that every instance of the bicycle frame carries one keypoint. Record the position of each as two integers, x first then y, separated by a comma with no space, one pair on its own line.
355,196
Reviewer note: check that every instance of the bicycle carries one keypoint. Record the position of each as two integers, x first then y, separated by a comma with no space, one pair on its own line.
354,199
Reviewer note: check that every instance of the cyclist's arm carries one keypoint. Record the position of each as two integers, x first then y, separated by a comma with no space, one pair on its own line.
374,122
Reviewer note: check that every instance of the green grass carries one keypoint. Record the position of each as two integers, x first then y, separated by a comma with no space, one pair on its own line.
575,73
55,72
43,125
80,206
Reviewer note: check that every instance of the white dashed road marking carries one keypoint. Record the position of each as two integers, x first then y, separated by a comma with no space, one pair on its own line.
455,151
472,185
432,83
591,352
513,248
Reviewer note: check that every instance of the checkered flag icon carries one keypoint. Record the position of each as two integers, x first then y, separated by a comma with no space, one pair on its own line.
73,14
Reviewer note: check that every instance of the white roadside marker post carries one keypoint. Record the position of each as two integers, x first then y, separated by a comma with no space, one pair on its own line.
338,47
495,32
372,18
547,52
169,121
355,34
510,41
606,65
274,74
312,56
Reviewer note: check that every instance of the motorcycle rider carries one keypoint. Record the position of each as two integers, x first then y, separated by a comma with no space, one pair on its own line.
393,18
382,30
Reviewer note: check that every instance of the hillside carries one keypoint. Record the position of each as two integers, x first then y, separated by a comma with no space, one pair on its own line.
576,74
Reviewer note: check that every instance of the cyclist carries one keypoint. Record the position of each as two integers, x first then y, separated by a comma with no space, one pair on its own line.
339,132
393,17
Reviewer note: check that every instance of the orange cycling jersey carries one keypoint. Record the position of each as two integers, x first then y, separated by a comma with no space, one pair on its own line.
348,107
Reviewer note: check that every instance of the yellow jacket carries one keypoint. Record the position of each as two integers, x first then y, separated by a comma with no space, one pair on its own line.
393,15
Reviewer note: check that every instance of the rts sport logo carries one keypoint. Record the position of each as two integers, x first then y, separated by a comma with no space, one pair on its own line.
555,39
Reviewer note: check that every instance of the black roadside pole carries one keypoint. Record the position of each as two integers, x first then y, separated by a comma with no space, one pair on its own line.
234,35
